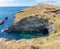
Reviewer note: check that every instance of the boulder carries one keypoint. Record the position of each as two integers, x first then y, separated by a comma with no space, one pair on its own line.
1,22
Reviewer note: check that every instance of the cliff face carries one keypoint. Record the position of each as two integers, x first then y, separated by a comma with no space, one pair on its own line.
43,18
49,12
32,25
37,18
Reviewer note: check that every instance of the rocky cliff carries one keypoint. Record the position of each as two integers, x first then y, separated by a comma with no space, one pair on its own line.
37,18
40,18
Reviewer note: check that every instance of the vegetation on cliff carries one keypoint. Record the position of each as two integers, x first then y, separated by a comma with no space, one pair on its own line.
46,12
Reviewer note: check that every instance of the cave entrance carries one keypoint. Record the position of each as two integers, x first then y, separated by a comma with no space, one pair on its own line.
44,32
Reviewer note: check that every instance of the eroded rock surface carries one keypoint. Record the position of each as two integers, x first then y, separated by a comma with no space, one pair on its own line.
31,25
48,21
36,19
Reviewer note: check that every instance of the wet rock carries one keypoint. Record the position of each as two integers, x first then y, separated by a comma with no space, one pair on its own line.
14,17
21,11
6,30
1,22
6,18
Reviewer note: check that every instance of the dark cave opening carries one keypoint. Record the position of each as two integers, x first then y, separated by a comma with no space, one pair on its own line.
44,32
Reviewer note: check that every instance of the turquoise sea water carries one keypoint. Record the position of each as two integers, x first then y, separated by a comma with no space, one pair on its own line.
9,12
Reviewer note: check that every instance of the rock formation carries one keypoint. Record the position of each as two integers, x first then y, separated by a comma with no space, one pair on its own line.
1,22
6,18
43,19
37,18
31,25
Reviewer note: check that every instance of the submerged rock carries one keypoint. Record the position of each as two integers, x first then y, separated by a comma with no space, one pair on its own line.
2,21
6,18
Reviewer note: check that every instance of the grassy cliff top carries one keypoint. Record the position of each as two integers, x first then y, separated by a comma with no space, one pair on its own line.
50,12
34,10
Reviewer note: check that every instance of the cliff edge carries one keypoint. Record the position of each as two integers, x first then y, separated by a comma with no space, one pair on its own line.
37,18
50,12
40,18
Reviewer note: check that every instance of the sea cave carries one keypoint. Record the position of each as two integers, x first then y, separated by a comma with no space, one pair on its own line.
32,25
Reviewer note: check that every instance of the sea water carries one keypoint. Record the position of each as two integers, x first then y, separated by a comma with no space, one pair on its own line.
9,12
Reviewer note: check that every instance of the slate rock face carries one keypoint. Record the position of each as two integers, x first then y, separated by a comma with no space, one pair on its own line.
32,24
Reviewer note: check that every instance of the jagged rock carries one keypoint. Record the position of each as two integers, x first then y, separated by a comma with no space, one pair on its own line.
1,22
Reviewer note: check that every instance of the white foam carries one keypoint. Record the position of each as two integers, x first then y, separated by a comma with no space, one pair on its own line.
2,30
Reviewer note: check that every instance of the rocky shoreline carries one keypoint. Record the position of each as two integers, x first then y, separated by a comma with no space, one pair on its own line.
41,22
32,24
42,19
36,43
2,21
